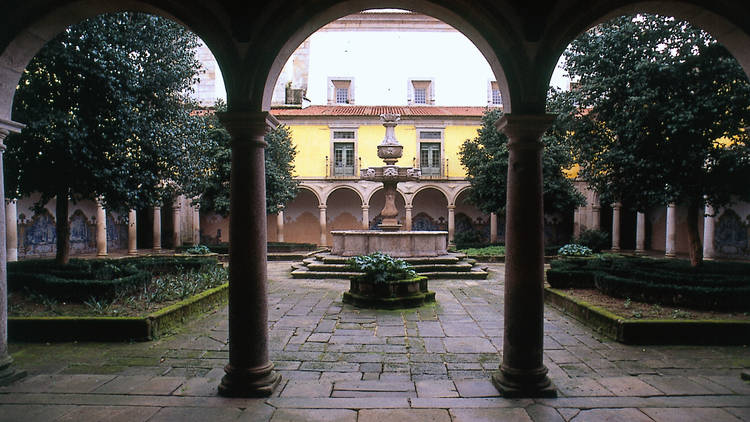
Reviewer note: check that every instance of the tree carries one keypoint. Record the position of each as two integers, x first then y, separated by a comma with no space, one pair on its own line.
666,108
108,115
212,164
486,161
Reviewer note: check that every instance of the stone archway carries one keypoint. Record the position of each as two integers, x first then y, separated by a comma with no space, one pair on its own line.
343,211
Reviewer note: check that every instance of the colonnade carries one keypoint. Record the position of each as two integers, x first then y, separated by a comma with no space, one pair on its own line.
11,224
670,244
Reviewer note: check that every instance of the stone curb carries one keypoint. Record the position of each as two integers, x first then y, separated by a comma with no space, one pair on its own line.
650,331
149,327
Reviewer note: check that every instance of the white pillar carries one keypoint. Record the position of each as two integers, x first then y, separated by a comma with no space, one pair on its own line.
157,229
196,224
451,222
101,229
408,218
132,233
176,223
709,229
669,249
11,227
493,228
640,233
616,210
280,225
323,230
365,217
577,222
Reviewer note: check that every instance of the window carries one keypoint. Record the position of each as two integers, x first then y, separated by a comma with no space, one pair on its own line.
430,148
340,91
429,159
343,152
343,159
494,97
420,92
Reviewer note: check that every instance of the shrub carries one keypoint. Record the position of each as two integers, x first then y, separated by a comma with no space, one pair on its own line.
381,268
596,240
468,237
572,249
485,251
198,250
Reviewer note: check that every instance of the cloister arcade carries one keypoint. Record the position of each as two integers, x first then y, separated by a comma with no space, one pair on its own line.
252,41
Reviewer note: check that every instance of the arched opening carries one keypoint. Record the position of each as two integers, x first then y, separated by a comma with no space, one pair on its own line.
472,225
430,210
377,202
343,211
301,222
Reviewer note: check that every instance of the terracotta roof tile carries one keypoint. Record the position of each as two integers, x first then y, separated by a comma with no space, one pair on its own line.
325,110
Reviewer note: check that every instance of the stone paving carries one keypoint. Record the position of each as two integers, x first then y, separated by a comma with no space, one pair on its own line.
345,364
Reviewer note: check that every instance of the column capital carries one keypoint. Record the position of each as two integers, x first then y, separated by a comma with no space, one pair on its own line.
322,207
9,126
525,130
451,207
246,126
365,207
617,205
408,207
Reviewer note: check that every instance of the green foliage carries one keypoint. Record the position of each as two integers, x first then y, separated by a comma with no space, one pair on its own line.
182,285
658,93
107,111
209,174
467,237
572,249
381,268
198,250
486,251
596,240
486,161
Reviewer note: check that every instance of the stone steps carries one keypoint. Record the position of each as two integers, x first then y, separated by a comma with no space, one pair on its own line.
456,266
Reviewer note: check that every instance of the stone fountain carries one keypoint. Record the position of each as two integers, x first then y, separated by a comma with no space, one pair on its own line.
427,251
389,239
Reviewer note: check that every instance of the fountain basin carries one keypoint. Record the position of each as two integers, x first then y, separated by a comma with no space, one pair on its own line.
399,244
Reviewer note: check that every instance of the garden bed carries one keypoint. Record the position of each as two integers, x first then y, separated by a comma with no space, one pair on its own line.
59,303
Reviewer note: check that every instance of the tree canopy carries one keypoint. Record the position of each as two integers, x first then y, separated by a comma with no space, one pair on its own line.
211,165
662,111
107,112
486,161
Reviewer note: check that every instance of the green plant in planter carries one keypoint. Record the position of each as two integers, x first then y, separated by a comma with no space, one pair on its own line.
572,249
381,268
198,250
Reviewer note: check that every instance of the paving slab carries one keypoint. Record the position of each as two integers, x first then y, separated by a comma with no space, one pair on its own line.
611,415
192,414
108,413
490,415
695,414
314,415
404,415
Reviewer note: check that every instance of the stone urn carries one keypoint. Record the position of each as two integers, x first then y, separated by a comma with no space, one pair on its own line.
398,294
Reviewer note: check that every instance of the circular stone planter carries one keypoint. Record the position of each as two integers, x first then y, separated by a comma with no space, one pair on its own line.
409,293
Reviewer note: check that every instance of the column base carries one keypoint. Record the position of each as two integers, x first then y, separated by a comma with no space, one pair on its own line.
670,255
519,384
249,382
8,373
132,253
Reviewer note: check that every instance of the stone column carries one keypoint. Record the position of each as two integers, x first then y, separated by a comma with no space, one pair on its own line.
280,225
522,372
11,226
101,229
640,233
709,231
577,217
365,217
250,372
595,214
157,229
451,223
616,210
493,227
669,250
132,233
196,224
8,373
177,223
323,230
407,222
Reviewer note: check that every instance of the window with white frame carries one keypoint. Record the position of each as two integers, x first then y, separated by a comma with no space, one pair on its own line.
343,152
420,91
494,97
430,148
340,91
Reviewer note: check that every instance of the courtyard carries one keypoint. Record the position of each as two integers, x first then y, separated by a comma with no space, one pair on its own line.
340,363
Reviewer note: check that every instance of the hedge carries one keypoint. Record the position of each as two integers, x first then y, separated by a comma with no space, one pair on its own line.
715,285
84,278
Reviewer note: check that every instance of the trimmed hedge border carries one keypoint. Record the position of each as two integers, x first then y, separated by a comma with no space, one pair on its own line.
116,329
650,331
